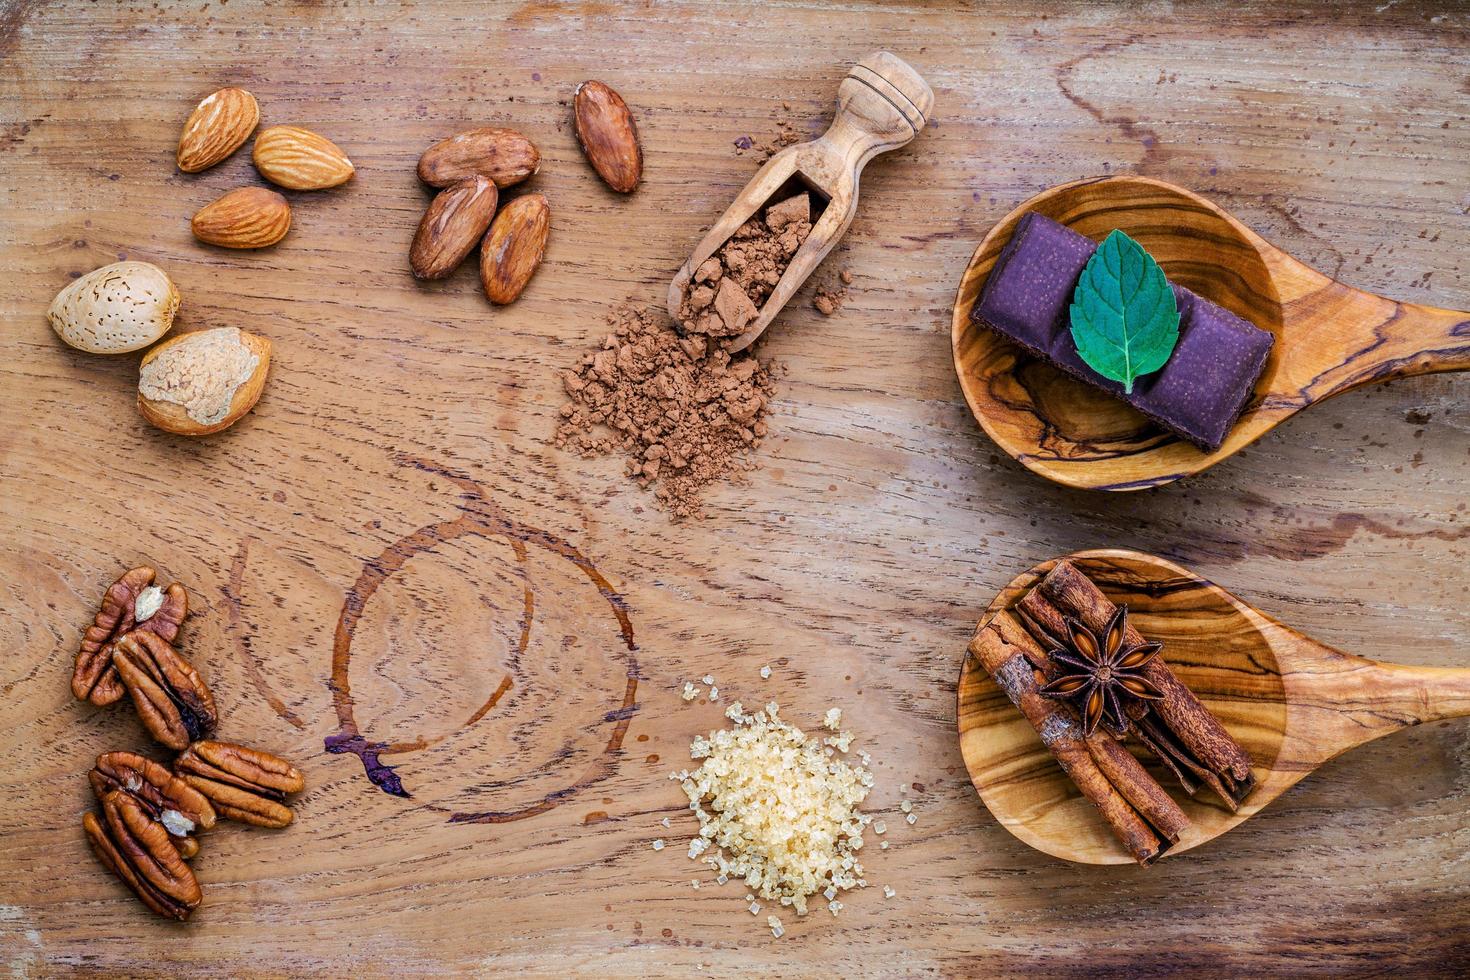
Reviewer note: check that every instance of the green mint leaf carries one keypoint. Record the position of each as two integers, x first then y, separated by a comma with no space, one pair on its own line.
1124,318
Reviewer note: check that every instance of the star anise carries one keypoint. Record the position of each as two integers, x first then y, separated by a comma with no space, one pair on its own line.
1107,672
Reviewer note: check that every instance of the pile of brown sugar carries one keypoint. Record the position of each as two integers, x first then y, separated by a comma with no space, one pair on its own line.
682,408
729,287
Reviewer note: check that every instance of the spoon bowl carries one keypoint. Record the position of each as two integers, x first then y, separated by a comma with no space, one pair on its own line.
1329,338
1293,703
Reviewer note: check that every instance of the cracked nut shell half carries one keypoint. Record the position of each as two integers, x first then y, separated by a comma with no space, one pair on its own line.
199,383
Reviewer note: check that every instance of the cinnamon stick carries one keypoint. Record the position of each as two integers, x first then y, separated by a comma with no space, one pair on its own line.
1142,816
1179,729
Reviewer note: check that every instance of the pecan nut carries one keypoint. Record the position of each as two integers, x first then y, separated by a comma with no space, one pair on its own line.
172,699
139,850
132,602
172,802
242,783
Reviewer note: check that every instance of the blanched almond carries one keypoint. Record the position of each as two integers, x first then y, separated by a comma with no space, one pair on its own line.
202,382
247,217
513,248
503,155
454,222
299,159
216,128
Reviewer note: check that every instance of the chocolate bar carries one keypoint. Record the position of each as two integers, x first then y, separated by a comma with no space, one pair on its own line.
1197,395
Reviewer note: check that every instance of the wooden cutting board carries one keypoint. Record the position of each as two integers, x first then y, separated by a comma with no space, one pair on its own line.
365,547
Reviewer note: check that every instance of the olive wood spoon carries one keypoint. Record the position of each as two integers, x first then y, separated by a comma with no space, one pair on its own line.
882,104
1293,703
1329,338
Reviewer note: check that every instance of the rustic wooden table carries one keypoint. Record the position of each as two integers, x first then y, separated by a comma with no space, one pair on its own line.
392,509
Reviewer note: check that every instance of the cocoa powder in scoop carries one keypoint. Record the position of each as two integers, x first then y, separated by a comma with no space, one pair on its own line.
683,409
728,289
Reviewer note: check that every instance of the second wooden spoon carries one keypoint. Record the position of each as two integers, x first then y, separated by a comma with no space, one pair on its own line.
1292,702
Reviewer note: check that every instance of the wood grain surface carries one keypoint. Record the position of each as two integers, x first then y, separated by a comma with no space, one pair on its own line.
388,538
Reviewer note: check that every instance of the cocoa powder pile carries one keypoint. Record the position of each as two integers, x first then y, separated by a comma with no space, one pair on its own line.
682,408
729,287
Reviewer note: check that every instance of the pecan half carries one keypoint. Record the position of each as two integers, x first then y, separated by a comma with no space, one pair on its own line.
244,784
137,848
172,802
172,699
94,678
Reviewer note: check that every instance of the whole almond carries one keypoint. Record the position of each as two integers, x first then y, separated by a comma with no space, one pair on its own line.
202,382
608,135
248,217
513,248
118,308
503,155
216,128
299,159
454,222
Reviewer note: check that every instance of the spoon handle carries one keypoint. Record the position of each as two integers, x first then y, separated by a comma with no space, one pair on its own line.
1373,699
1380,339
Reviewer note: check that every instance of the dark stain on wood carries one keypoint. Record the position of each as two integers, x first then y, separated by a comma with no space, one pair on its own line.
479,517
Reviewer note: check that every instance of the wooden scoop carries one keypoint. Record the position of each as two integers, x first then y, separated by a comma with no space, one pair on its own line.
881,105
1292,702
1329,338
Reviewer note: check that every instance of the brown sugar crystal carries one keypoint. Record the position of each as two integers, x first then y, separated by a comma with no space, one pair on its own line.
683,409
728,289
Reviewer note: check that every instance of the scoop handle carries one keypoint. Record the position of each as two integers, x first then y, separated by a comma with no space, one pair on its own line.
882,104
1400,340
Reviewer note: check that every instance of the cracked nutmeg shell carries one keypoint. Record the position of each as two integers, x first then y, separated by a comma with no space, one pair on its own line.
454,222
218,125
138,849
133,601
513,248
608,135
243,784
173,701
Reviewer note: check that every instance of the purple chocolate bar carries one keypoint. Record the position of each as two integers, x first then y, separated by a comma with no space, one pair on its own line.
1197,395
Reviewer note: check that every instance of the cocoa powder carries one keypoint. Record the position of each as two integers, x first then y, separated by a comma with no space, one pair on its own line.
830,296
684,410
786,135
728,289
